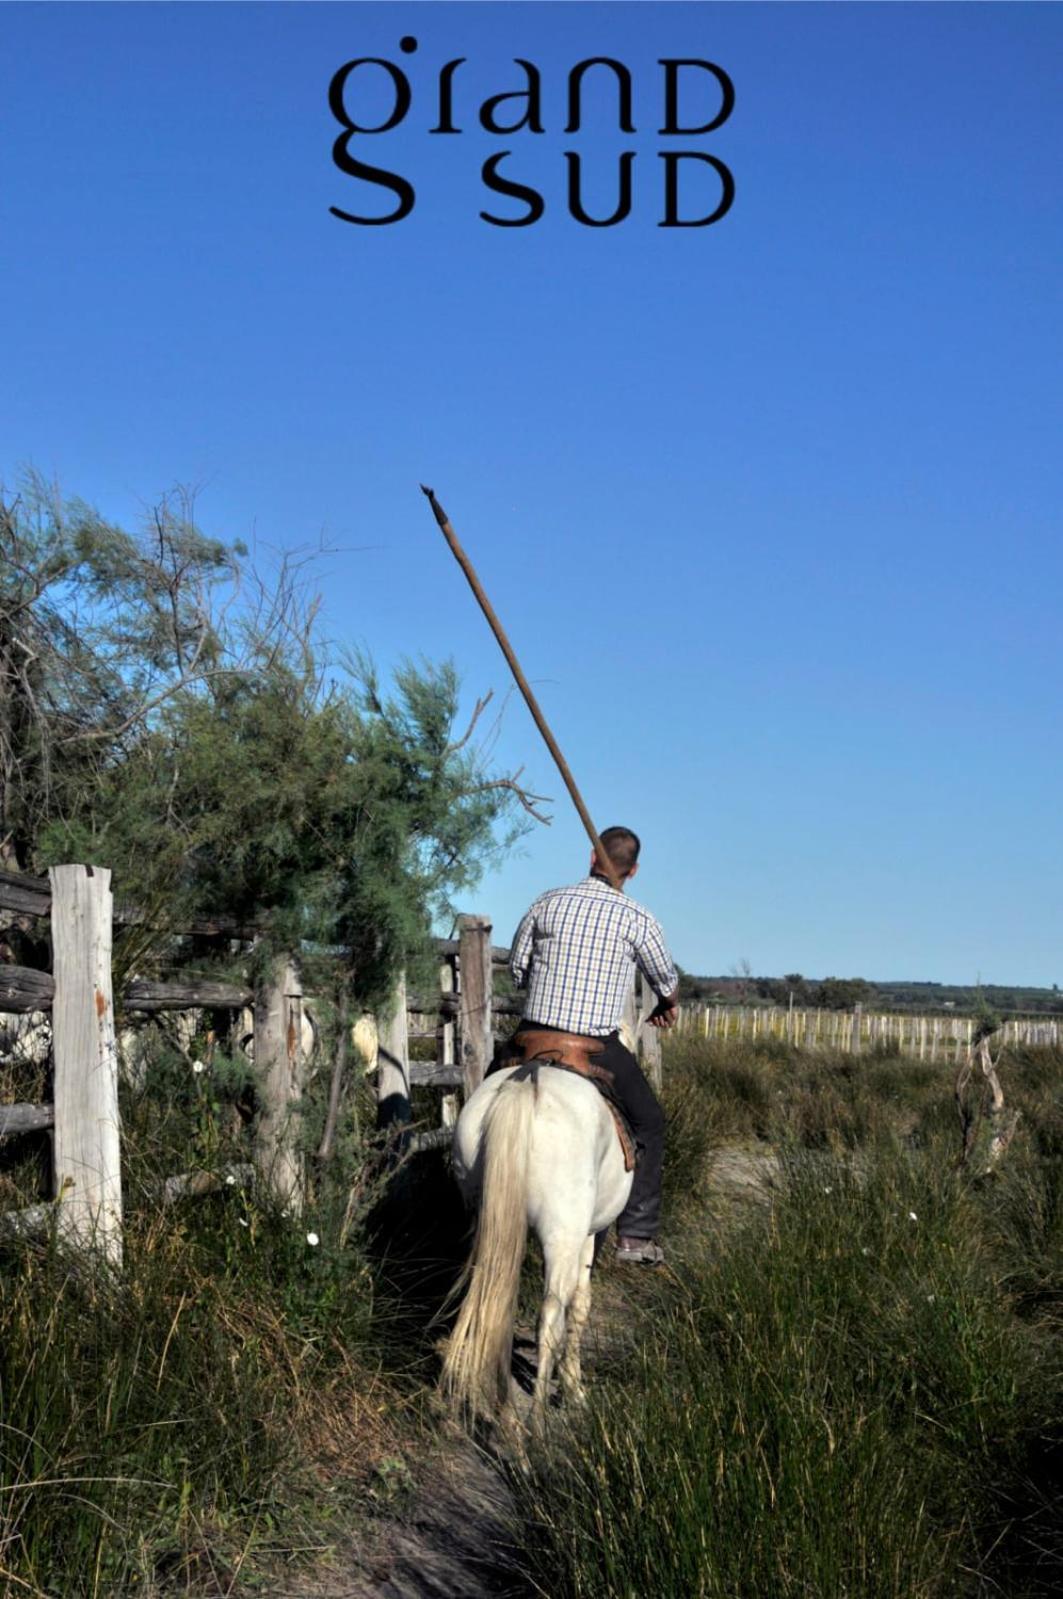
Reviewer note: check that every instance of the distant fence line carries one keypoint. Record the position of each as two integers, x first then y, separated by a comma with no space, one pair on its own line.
923,1037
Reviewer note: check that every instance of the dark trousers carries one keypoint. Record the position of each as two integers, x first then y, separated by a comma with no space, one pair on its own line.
641,1217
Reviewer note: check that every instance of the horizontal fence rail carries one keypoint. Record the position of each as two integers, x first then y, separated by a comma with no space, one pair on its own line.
24,989
15,1119
32,896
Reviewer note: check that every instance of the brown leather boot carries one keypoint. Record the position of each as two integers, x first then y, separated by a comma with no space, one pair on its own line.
640,1251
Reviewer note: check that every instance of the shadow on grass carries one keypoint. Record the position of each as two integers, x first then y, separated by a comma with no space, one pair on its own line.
419,1235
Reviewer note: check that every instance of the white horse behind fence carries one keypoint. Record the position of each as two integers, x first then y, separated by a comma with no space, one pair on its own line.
536,1146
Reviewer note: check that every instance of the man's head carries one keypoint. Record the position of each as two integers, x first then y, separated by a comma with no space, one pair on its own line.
622,846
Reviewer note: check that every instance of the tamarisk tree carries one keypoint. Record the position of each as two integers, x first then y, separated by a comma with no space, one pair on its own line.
166,711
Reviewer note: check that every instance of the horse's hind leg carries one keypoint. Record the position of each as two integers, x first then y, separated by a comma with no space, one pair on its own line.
578,1312
563,1260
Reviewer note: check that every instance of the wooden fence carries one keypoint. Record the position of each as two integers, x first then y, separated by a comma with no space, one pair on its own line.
463,1015
945,1038
82,1117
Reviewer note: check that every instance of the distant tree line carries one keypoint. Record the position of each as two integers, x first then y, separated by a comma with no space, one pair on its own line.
741,987
828,993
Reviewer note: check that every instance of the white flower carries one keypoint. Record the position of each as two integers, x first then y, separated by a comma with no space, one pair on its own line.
930,1298
312,1238
827,1190
198,1066
865,1251
230,1179
242,1222
912,1216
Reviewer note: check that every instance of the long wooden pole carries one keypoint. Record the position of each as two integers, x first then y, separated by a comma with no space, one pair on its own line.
522,683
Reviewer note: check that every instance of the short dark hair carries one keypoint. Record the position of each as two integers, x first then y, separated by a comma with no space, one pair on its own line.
622,847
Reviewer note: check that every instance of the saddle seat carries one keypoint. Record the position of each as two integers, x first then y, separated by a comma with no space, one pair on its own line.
543,1046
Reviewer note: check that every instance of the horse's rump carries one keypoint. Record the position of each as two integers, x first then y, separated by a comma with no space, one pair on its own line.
575,1052
537,1147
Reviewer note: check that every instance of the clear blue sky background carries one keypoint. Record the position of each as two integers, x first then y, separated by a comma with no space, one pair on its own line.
771,509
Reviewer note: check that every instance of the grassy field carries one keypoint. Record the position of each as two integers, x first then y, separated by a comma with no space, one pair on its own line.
851,1382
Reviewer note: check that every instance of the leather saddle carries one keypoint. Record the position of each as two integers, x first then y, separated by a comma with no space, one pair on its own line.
543,1046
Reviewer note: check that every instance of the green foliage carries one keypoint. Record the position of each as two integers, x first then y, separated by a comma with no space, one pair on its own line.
95,625
842,993
986,1018
183,725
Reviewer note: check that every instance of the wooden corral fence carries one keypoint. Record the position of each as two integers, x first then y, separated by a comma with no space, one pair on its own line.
945,1038
464,1016
466,1019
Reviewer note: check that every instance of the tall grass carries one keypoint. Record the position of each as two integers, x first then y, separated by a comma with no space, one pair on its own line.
193,1418
853,1387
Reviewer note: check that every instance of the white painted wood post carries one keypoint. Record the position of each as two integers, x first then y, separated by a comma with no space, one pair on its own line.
854,1034
87,1144
649,1037
393,1073
474,1007
630,1020
445,1045
279,1067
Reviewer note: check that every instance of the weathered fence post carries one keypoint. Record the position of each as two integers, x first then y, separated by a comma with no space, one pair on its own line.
87,1149
474,999
279,1066
393,1054
986,1133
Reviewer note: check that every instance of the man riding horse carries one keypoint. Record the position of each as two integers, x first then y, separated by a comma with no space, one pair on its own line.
576,952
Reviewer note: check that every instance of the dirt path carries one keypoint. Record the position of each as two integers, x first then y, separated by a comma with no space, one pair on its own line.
452,1540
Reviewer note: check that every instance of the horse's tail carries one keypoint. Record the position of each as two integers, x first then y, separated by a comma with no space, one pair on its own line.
476,1366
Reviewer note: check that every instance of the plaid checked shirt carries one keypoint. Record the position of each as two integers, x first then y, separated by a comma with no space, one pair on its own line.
576,951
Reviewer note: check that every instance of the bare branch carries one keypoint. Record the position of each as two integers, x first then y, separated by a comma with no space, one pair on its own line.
481,706
513,784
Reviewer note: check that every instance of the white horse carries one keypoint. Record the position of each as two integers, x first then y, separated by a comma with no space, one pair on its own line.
539,1151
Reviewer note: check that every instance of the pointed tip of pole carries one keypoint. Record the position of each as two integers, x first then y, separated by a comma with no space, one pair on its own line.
437,510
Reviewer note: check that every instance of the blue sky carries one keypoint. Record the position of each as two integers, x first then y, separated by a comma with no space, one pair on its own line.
770,508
